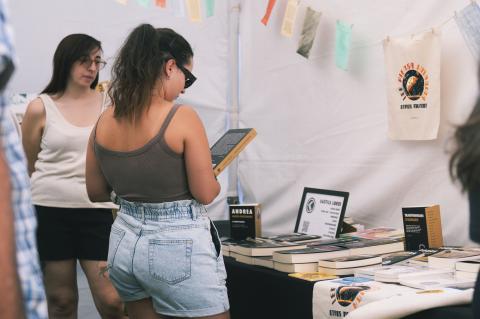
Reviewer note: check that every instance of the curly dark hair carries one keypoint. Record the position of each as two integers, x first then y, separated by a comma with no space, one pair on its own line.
139,65
465,160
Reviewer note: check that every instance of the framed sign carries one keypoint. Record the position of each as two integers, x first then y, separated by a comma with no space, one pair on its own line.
321,212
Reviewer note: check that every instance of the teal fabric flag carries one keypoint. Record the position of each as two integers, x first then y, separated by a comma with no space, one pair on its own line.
342,44
209,7
143,3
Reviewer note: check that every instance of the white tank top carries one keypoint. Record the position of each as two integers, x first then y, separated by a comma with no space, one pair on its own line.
59,176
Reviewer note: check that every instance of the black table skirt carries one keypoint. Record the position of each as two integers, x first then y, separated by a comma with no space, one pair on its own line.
258,292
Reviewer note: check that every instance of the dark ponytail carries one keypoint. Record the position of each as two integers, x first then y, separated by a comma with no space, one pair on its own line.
139,65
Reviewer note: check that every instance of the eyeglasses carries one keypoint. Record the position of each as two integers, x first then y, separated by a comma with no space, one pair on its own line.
87,62
189,77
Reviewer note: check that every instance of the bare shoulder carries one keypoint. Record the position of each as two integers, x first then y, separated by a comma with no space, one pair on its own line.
36,108
188,115
189,121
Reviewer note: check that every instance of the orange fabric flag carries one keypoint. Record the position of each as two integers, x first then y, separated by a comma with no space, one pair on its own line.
266,17
160,3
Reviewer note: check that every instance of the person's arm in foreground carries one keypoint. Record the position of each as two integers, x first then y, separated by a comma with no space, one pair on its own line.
11,305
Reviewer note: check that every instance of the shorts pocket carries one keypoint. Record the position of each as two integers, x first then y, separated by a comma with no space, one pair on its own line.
170,260
116,236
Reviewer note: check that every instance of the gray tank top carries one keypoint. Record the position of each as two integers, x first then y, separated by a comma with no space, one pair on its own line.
153,173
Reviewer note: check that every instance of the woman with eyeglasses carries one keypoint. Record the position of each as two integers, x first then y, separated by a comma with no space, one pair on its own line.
164,255
55,132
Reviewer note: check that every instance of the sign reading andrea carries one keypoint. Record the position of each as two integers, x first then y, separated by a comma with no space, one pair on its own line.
413,86
321,212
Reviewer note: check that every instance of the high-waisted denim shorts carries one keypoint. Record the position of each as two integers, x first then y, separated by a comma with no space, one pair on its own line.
171,253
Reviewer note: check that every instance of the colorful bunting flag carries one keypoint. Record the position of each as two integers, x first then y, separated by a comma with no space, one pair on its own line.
209,7
289,18
161,3
342,44
143,3
468,21
309,31
193,9
124,2
268,12
178,7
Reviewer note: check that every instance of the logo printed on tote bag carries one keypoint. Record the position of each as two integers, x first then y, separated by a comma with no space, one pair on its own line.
413,80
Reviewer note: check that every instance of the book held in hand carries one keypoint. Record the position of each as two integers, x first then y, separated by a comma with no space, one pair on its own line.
227,147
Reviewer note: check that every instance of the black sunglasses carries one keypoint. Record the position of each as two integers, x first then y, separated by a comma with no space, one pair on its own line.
189,77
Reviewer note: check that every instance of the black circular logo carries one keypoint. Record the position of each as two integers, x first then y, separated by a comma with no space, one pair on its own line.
413,85
310,205
346,295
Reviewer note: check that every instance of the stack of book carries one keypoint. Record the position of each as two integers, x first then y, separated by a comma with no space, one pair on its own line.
306,259
448,258
259,251
342,266
467,269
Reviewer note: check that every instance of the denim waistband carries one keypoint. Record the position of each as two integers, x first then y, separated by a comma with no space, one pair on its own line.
181,209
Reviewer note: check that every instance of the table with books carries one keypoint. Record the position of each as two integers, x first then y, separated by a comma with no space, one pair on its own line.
261,284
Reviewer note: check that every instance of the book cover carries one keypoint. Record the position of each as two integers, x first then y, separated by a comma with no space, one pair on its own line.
263,261
422,258
227,147
395,273
377,233
422,227
399,256
261,247
302,267
444,281
374,246
309,254
468,265
350,261
448,258
295,237
340,271
311,276
245,220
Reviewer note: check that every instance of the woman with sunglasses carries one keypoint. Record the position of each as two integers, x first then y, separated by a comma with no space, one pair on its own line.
55,132
164,255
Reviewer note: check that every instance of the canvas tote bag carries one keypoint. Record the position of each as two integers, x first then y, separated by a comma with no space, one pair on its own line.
413,86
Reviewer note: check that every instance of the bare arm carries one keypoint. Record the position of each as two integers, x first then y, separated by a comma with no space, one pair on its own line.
11,306
98,189
201,180
33,124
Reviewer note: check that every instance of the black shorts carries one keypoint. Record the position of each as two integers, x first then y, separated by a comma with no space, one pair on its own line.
73,233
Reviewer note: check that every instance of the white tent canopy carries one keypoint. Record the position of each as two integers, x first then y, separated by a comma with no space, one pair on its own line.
318,126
